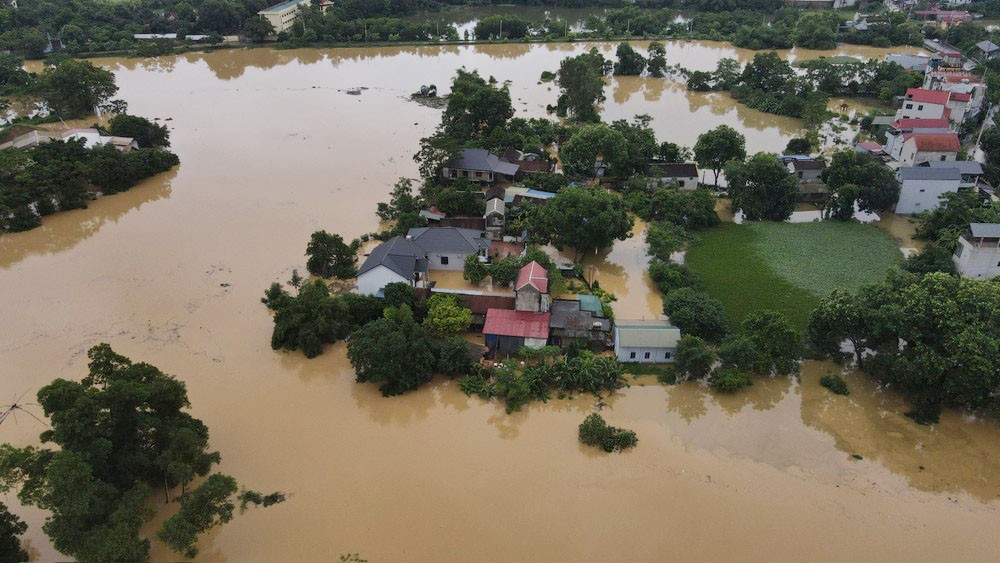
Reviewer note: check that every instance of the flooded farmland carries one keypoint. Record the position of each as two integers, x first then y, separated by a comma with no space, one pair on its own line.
272,148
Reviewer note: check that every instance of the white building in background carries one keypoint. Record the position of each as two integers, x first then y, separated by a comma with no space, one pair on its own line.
978,252
283,15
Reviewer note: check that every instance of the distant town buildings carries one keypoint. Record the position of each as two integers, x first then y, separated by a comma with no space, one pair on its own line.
283,15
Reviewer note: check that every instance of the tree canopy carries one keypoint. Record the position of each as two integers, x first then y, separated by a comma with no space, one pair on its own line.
581,85
394,351
120,431
329,256
932,336
583,219
762,188
717,147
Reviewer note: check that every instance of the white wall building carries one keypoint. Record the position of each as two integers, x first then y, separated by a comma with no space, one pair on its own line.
283,15
928,147
978,252
919,103
922,186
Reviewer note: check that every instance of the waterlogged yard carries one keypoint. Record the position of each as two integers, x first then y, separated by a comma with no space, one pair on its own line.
788,267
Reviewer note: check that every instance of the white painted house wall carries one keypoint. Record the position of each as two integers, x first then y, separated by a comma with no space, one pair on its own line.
976,262
920,110
910,156
372,281
922,195
456,261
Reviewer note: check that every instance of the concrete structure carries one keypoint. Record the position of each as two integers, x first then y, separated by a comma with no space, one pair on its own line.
446,248
646,342
282,16
919,103
496,213
988,49
928,147
912,63
922,186
91,138
978,252
807,171
682,174
971,171
395,260
898,129
573,319
478,165
507,331
531,290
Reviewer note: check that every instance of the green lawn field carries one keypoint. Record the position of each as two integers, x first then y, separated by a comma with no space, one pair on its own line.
788,267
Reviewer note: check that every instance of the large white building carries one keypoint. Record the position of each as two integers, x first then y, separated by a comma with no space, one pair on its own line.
922,186
978,252
919,148
919,103
283,15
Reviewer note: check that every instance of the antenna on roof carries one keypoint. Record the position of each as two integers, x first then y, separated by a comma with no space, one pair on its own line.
11,410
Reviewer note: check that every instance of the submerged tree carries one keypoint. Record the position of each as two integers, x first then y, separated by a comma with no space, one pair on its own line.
585,220
717,147
120,431
329,256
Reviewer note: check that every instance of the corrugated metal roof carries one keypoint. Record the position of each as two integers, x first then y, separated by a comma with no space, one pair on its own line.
964,166
985,230
590,303
928,173
523,324
496,205
647,334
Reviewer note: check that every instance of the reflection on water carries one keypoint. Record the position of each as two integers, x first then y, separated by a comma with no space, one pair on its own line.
64,230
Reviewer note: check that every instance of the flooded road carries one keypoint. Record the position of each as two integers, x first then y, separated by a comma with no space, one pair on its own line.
272,149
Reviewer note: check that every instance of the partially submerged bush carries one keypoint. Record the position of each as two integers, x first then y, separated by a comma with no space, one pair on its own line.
835,383
729,380
594,431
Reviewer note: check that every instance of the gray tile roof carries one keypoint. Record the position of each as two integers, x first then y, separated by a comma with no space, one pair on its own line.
987,46
479,159
448,239
985,230
399,255
964,166
928,173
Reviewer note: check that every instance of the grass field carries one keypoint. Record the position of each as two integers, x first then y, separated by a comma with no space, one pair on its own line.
788,267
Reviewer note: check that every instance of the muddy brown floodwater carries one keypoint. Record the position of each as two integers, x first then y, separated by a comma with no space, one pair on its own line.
272,148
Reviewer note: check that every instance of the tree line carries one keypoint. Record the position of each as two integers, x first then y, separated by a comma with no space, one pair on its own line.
61,175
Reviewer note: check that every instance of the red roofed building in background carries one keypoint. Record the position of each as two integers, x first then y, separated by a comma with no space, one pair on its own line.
898,130
531,290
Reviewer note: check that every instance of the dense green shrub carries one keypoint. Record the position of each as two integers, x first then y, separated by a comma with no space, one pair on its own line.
594,431
729,380
835,383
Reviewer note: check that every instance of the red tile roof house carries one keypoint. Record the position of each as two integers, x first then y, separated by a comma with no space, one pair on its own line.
929,147
898,129
531,290
919,103
507,331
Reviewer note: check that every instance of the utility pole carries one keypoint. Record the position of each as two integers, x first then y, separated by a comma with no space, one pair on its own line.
500,35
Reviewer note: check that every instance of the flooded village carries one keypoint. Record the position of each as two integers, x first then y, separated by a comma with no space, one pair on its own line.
276,144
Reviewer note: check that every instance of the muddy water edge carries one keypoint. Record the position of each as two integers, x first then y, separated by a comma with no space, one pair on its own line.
272,148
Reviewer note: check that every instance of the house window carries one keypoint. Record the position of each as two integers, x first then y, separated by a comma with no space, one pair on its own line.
632,355
922,191
479,174
920,107
444,260
666,356
909,106
680,184
646,355
944,157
